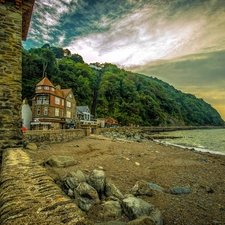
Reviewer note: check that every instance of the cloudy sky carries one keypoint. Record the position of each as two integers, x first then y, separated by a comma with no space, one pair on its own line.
181,42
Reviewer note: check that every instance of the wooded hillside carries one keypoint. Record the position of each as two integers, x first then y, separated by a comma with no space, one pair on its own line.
109,91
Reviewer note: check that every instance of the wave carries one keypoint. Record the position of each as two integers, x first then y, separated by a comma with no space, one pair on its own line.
211,141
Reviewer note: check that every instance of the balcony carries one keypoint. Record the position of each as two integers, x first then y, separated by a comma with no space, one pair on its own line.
42,102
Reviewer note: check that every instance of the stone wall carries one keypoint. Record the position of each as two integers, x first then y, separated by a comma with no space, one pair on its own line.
120,130
52,136
10,74
29,196
149,130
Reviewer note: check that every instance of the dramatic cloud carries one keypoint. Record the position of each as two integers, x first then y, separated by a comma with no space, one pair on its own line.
180,41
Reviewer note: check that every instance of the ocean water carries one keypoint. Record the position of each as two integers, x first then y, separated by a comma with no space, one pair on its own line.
205,140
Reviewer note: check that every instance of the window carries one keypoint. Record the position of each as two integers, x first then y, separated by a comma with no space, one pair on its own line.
53,89
46,87
56,112
68,104
38,111
39,88
71,96
42,99
45,111
68,114
62,102
57,100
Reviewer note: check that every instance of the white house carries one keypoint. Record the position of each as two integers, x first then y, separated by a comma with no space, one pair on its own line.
83,113
26,114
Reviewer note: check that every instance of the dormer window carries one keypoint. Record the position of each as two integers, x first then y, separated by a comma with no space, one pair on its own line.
53,89
46,87
39,88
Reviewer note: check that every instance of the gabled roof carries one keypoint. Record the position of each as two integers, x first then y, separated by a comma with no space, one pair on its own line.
59,93
66,91
111,120
83,109
46,82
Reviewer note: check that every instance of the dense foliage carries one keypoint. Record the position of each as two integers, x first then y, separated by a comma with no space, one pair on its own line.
113,92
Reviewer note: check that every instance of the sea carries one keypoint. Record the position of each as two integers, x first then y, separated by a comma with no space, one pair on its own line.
204,140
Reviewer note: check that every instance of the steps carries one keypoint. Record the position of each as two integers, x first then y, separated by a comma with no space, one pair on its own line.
28,196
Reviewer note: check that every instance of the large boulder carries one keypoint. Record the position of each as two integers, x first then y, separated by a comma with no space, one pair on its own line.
61,161
70,182
111,209
156,187
180,190
135,207
80,175
138,210
86,196
112,190
73,179
31,146
141,188
97,179
156,215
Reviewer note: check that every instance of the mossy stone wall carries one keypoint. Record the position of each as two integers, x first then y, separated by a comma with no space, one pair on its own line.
10,74
52,136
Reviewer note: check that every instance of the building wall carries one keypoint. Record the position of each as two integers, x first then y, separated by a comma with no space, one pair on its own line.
26,115
10,75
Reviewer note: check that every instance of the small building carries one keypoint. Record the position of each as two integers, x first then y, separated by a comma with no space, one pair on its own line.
107,122
26,115
101,122
83,114
53,107
111,122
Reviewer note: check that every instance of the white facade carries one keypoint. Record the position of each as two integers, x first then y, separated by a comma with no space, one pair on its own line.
26,115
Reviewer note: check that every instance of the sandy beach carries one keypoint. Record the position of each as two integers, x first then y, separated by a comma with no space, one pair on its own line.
126,162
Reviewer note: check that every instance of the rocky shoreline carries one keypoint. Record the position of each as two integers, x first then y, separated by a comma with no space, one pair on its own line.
192,183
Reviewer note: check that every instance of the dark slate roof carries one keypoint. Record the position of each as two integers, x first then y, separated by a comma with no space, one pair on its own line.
83,108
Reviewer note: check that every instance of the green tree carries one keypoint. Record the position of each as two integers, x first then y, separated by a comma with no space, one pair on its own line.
77,58
47,58
111,91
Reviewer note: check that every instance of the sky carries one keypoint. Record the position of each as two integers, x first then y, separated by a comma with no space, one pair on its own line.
181,42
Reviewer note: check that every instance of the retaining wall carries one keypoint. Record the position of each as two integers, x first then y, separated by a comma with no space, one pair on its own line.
148,130
52,136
